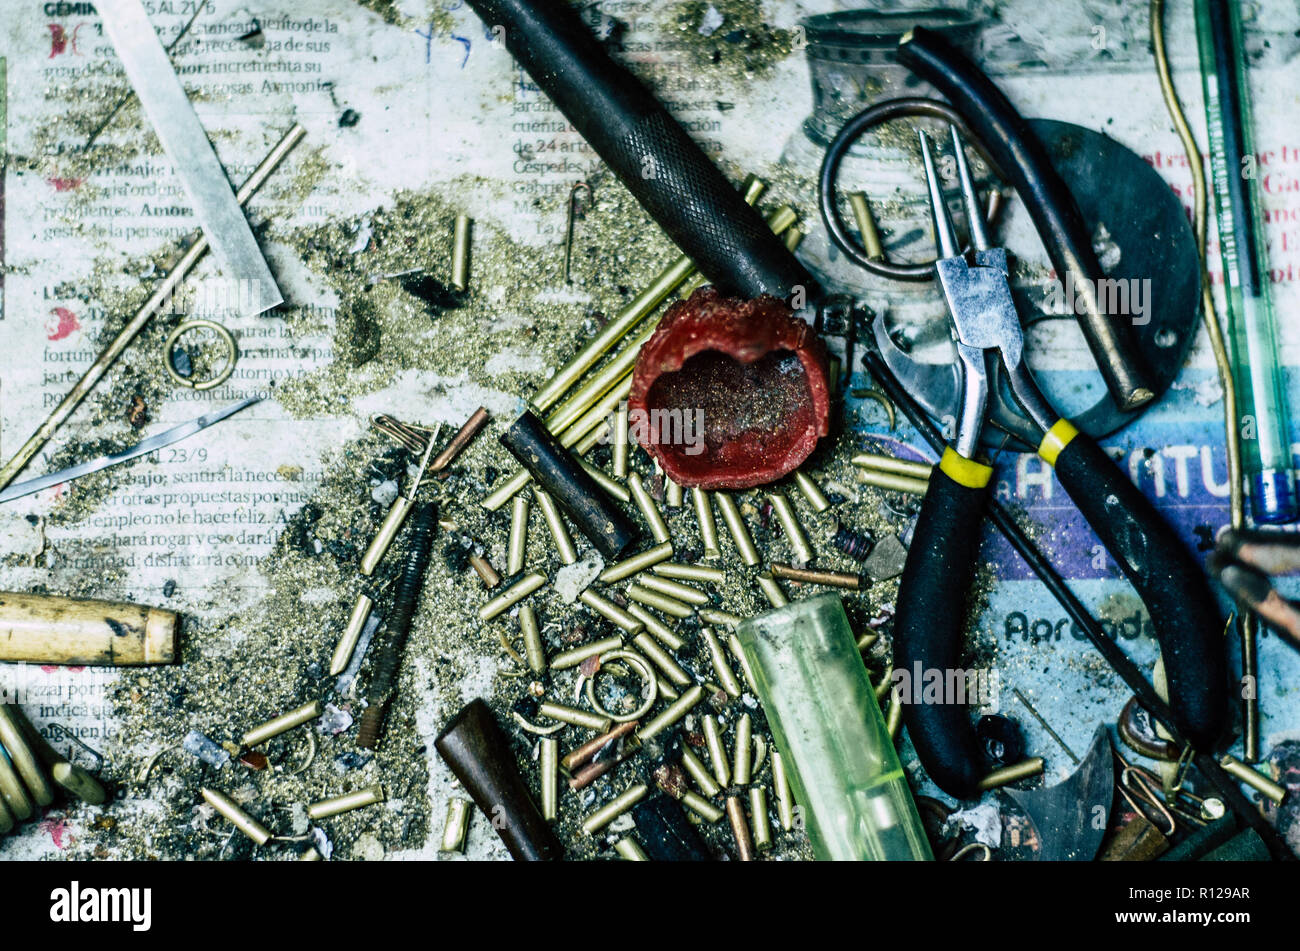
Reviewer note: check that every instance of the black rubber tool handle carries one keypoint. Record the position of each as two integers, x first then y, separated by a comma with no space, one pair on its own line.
666,171
556,470
928,626
1015,149
1176,592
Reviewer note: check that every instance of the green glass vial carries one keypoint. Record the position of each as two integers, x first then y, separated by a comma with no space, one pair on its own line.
831,734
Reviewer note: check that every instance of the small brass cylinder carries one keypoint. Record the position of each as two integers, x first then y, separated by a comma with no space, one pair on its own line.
610,611
699,772
598,413
548,762
628,849
894,718
772,589
742,753
637,563
576,655
656,627
759,823
867,229
13,793
79,783
388,529
737,528
455,827
740,829
671,569
784,797
726,677
574,717
588,442
236,816
719,618
660,602
835,579
619,443
512,595
733,645
812,492
649,511
672,494
534,651
661,659
675,589
700,806
672,713
486,573
792,238
555,525
794,533
611,488
892,482
23,757
502,493
283,723
614,808
518,543
708,527
460,253
902,467
1253,778
351,634
1009,774
369,796
717,752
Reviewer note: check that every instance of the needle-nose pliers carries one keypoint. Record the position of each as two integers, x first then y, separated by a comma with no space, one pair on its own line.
941,560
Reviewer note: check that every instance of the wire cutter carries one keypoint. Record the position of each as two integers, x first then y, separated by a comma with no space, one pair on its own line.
941,561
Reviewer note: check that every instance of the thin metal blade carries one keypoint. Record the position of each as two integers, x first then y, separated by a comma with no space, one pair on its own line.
1071,817
142,448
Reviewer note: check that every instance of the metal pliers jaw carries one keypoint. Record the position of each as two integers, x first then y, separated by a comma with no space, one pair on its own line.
983,311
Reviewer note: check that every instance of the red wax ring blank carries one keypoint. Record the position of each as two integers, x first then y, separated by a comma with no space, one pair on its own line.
729,394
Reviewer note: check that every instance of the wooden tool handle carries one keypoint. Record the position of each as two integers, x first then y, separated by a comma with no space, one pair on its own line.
49,629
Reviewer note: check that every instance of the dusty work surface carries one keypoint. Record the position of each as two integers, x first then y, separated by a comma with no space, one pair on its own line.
253,529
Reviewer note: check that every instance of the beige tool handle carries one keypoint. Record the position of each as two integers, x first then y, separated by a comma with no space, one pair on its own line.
48,629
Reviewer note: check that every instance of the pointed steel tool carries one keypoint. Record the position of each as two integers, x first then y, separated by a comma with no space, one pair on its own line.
142,448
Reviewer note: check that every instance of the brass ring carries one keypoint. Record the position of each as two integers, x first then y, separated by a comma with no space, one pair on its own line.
227,338
647,674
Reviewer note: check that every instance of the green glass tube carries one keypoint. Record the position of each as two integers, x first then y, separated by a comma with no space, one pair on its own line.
1267,460
843,770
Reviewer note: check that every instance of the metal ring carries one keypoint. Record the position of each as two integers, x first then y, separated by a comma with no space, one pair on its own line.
863,122
647,674
227,338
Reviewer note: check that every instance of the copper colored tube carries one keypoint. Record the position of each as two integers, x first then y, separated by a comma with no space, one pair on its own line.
479,754
836,579
458,442
740,829
583,754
